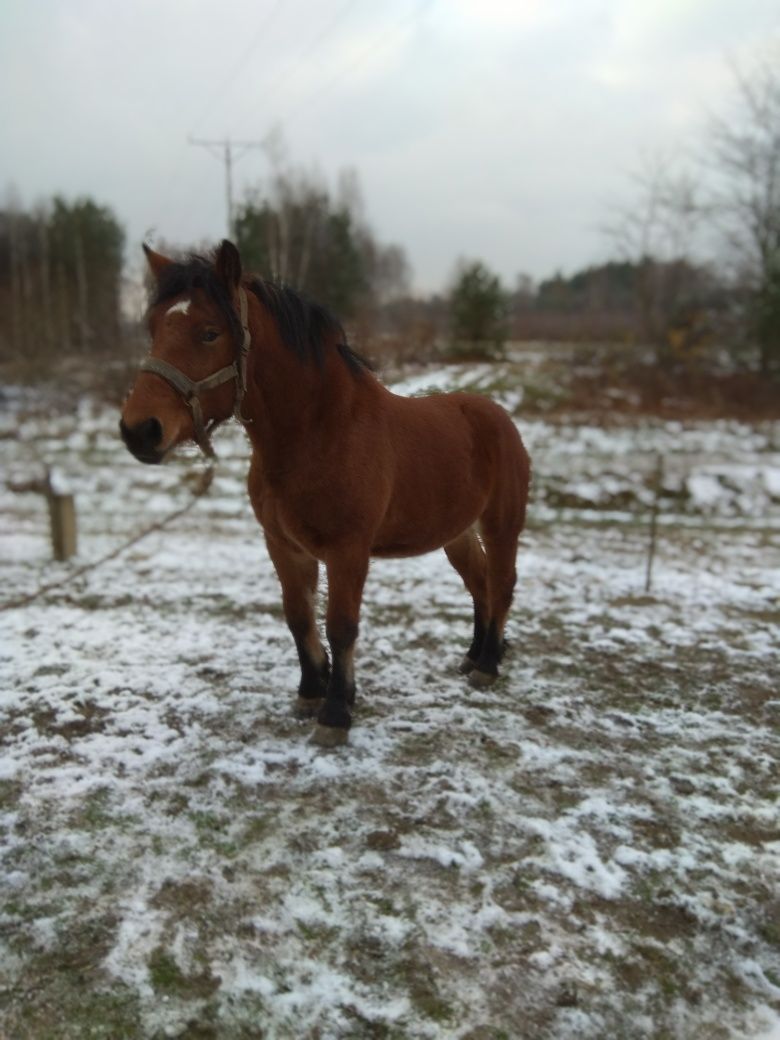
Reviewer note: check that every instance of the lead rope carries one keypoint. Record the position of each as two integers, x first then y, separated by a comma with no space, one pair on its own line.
203,485
189,391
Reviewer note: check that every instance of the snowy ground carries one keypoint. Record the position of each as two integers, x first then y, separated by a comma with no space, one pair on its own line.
588,849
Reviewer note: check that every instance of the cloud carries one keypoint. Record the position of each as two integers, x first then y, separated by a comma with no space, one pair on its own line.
477,126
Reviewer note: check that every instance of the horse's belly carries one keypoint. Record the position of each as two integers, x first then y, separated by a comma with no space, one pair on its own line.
397,550
413,531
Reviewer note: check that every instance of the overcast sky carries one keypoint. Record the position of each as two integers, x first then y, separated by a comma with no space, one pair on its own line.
479,128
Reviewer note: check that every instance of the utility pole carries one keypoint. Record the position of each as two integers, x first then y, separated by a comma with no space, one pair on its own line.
228,157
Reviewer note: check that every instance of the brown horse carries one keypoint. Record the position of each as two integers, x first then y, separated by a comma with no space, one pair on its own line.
342,469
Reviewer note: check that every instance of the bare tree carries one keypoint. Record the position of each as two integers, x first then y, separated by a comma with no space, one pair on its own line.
657,231
745,160
662,217
295,229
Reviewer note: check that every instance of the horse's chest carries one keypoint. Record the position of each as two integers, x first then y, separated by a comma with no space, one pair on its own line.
312,521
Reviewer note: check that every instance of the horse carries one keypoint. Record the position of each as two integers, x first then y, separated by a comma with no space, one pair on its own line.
341,468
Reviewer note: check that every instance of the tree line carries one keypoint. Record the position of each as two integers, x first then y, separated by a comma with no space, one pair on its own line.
60,276
696,268
296,231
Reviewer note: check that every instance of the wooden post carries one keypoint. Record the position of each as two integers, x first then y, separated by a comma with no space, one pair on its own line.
62,513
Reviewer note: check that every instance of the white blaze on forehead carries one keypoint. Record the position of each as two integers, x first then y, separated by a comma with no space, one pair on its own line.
179,308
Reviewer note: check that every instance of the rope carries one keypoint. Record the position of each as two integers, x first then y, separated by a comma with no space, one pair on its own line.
203,485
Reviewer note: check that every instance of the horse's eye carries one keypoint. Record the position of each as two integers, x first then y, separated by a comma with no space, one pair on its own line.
209,336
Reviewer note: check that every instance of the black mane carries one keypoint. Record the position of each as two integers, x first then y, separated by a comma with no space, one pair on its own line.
305,327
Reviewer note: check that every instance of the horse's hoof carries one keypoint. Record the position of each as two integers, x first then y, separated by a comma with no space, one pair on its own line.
308,707
467,665
329,736
479,680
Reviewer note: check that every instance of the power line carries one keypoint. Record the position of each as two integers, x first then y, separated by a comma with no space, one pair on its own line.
228,158
223,148
291,68
378,43
240,64
208,105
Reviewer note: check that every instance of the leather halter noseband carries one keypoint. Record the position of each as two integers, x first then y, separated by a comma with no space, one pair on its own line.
191,390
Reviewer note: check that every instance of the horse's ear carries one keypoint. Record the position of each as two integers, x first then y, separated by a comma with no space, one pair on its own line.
228,265
157,262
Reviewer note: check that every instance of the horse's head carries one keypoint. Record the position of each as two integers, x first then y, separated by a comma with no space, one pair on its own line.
193,377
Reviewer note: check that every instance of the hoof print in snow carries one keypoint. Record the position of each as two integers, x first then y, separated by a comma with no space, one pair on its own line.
329,736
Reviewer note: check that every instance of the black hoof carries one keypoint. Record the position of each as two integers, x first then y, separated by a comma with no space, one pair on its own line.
334,715
467,665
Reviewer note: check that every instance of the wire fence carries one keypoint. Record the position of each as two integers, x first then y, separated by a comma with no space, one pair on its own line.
654,477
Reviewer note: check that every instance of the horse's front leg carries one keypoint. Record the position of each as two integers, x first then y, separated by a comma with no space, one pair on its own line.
346,577
298,573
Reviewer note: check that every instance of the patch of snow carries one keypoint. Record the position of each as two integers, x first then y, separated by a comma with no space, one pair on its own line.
464,857
705,489
771,475
604,813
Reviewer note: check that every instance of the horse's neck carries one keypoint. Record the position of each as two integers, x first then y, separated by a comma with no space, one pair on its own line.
294,407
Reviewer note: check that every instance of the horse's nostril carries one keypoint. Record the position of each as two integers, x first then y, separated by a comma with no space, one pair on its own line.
144,437
150,432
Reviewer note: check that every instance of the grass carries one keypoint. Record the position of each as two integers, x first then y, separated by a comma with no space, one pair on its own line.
65,995
226,869
167,978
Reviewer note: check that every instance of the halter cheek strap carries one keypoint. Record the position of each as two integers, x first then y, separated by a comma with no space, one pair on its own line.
191,390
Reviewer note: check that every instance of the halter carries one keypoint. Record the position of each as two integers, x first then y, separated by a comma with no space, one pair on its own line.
191,390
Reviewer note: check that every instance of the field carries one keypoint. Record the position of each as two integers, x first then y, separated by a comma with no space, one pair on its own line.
589,849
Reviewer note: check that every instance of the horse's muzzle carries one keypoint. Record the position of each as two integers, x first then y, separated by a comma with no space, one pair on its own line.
143,440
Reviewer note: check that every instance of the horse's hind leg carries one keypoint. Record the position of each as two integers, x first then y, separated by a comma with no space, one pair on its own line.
298,574
467,556
500,553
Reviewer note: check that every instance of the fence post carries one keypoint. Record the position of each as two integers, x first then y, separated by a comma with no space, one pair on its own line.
62,514
658,481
